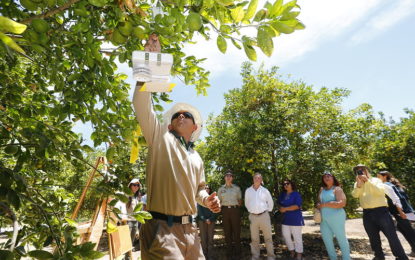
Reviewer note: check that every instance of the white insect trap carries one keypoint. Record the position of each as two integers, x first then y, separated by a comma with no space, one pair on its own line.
154,69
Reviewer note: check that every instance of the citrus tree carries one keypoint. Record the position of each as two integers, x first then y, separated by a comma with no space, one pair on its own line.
287,129
58,66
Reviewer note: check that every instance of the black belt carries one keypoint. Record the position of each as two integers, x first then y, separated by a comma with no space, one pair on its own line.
186,219
259,213
230,207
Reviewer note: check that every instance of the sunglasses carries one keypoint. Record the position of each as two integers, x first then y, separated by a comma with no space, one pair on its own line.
185,114
286,183
135,184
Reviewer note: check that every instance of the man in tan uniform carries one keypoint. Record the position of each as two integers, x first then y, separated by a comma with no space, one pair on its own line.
230,197
175,181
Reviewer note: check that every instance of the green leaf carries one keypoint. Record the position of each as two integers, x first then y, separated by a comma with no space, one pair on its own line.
8,25
13,199
40,254
261,15
264,40
224,2
158,108
250,52
221,42
12,44
6,255
250,12
48,241
282,27
237,45
237,14
289,16
71,222
276,8
110,153
98,3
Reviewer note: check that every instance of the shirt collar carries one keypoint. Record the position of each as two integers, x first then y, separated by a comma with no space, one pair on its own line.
182,140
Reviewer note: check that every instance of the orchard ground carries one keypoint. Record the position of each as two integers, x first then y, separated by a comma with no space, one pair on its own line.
313,244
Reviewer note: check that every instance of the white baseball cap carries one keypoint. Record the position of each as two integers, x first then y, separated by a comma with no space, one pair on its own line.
135,180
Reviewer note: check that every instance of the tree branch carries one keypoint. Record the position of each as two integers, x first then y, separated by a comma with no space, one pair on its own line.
51,12
12,216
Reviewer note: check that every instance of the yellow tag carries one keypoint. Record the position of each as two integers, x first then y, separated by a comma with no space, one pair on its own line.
172,85
135,149
143,88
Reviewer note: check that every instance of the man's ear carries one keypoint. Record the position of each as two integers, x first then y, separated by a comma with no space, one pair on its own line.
170,127
194,127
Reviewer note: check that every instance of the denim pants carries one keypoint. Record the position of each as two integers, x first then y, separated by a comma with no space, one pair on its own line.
404,226
379,219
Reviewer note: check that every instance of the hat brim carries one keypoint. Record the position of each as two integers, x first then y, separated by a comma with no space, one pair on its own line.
188,108
360,166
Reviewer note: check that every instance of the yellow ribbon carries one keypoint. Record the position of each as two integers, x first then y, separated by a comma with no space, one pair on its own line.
135,148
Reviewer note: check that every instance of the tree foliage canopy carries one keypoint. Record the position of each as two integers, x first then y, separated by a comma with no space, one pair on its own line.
288,129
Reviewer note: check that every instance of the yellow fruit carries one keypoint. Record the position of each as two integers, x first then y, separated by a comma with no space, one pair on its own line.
125,28
40,25
194,21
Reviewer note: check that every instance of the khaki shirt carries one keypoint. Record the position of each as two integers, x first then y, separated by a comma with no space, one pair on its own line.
229,196
175,176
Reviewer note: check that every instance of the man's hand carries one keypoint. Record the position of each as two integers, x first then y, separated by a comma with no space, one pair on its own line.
359,182
208,222
213,203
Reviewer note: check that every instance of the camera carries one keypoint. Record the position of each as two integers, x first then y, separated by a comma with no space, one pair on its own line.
359,172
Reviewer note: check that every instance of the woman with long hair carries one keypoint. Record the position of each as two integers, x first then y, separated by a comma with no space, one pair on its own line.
332,201
400,213
133,200
290,202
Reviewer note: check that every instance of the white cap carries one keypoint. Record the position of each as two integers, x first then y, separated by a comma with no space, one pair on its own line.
135,180
188,108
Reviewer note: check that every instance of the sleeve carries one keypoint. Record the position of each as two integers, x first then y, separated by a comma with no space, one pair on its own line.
239,195
356,192
247,200
376,186
145,114
202,194
298,200
220,196
392,195
270,201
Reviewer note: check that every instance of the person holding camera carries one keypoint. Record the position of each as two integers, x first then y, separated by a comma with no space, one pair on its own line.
371,194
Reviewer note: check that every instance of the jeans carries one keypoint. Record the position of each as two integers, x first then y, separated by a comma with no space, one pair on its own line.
404,226
379,219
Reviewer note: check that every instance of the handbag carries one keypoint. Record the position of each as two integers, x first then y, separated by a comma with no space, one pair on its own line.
317,216
278,217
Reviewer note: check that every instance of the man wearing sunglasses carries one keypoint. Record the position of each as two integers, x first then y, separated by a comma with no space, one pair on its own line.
175,180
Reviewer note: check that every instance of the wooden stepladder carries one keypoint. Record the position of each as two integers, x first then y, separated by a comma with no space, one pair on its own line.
119,241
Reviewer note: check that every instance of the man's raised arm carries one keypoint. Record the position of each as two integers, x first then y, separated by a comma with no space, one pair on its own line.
145,114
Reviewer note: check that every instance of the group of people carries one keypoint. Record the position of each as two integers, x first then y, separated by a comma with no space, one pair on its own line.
176,192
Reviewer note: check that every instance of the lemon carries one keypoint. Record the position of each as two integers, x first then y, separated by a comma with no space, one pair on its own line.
40,25
194,21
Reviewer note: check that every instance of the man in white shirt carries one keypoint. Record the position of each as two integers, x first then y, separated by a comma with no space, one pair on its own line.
259,203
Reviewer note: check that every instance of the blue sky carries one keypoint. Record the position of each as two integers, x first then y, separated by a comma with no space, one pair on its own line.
366,46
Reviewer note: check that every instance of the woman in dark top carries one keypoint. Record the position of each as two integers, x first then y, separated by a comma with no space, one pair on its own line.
206,221
290,202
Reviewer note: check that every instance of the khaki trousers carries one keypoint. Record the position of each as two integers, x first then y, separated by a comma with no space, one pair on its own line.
261,222
158,241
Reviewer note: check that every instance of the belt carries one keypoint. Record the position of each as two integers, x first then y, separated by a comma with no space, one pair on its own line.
186,219
259,213
230,207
